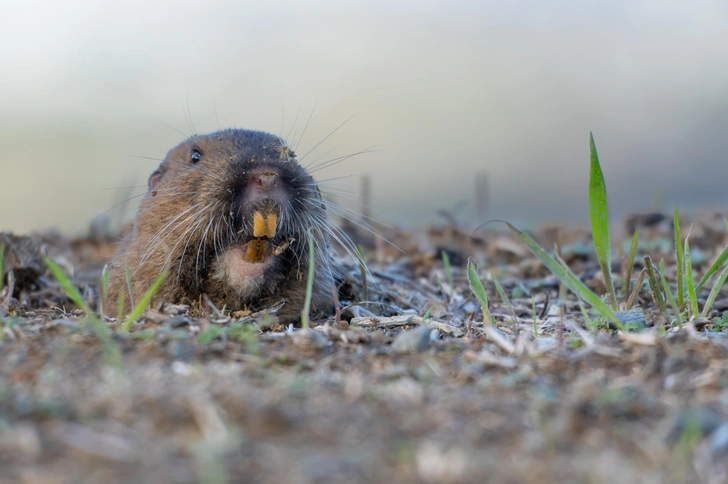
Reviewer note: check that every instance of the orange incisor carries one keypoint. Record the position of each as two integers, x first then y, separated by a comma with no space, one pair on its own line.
256,250
264,225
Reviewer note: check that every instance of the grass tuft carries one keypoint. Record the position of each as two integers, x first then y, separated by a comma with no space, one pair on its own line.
636,290
587,320
112,355
599,214
668,293
208,334
479,291
692,294
714,291
120,306
721,323
128,285
448,273
714,267
68,287
309,284
568,278
630,263
244,333
655,287
504,297
679,259
427,314
104,289
146,299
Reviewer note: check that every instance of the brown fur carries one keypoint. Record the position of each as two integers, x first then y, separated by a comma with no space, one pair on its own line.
198,213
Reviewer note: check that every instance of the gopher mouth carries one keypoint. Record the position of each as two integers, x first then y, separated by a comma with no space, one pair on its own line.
265,226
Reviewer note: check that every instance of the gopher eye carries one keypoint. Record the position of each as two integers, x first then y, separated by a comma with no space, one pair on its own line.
195,156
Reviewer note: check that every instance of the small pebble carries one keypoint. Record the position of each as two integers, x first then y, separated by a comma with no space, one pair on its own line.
719,440
633,319
412,341
700,419
308,339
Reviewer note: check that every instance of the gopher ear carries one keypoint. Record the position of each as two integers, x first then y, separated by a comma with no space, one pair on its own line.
155,178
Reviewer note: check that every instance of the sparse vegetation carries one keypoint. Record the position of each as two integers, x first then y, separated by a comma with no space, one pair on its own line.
479,291
305,314
103,333
144,302
556,360
599,213
448,273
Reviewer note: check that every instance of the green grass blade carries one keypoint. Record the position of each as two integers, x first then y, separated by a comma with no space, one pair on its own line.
363,271
68,287
105,282
120,306
670,297
630,263
692,294
599,213
427,314
2,266
714,292
714,267
562,288
568,278
111,351
112,354
479,291
533,313
504,297
104,289
309,284
679,259
636,290
587,320
448,272
128,285
656,291
146,299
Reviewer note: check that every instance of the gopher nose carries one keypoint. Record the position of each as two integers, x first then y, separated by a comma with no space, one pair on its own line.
266,180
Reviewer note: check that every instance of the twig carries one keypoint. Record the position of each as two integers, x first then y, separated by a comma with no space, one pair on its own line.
337,310
499,339
10,288
637,287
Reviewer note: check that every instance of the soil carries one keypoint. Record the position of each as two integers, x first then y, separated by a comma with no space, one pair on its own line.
410,386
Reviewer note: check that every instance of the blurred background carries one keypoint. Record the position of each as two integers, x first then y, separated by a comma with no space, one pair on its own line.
452,94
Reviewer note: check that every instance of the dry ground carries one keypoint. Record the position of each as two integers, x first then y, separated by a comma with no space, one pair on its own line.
385,396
